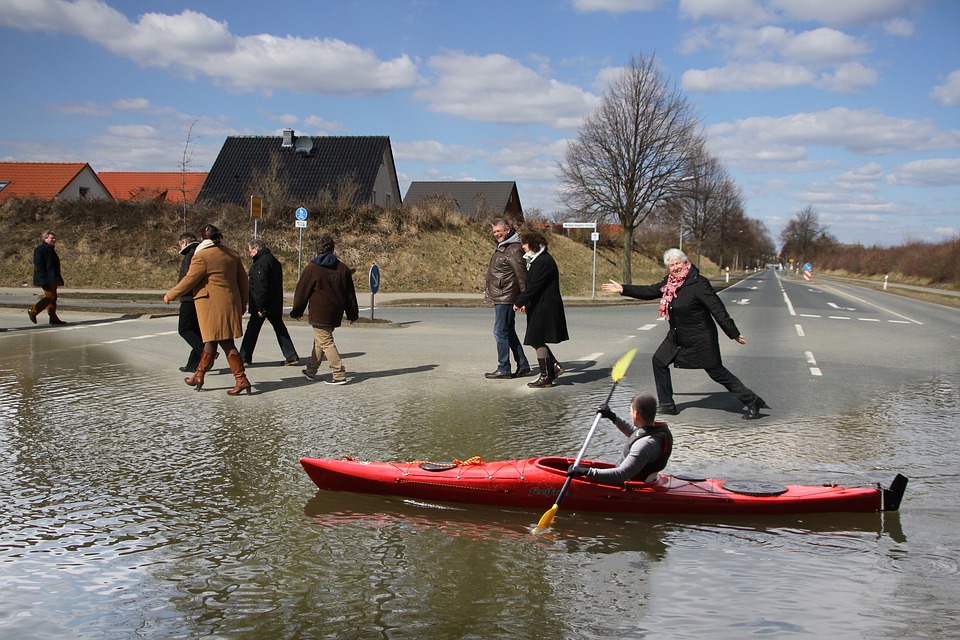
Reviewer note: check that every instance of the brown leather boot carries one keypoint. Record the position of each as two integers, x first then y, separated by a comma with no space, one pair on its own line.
206,361
236,367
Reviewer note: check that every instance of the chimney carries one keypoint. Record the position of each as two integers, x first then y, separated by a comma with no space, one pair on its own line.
288,138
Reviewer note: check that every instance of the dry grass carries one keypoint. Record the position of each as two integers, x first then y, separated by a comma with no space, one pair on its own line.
429,250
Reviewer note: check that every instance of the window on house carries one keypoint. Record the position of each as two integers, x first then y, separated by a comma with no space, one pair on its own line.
84,191
387,201
3,183
373,197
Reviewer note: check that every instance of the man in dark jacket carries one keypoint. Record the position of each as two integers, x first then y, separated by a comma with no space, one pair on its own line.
266,303
46,275
506,280
326,285
188,325
693,310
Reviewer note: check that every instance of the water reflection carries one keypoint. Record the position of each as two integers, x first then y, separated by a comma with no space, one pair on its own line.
133,507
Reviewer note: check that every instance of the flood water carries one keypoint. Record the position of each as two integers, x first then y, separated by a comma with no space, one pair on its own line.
130,510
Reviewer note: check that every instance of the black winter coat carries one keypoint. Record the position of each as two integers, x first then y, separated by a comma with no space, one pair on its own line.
546,323
266,284
691,342
46,266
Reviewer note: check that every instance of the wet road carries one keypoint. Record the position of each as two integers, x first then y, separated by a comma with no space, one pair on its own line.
139,508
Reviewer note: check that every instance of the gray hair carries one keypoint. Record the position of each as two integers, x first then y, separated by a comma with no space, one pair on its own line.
674,254
46,234
256,244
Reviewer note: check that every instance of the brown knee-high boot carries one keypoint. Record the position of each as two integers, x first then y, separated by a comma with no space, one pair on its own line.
206,361
236,367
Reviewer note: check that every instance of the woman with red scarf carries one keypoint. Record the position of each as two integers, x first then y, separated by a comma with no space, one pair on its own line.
693,309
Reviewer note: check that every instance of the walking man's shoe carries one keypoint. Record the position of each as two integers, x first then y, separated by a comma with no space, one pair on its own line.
56,320
499,375
32,316
344,381
524,371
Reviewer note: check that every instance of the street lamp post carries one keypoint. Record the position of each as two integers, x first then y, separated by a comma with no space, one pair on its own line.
680,244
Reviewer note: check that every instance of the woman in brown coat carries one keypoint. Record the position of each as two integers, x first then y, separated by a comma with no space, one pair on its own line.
219,284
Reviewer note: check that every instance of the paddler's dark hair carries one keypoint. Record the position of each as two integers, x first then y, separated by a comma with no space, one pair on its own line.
645,405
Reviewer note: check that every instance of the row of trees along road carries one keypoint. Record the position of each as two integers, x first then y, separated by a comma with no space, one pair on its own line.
641,158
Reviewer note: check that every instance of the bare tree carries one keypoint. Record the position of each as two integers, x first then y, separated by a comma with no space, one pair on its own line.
631,152
804,235
270,183
184,163
710,198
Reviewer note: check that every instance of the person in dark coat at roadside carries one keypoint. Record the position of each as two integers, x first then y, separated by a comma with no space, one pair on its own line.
693,310
543,306
326,285
46,275
188,325
266,303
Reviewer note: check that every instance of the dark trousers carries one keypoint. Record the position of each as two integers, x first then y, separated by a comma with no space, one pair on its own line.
189,329
720,375
253,332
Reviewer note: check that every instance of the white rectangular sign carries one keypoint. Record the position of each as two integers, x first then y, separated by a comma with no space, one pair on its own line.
579,225
301,223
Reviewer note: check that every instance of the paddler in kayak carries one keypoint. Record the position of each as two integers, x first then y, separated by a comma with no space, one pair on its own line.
647,451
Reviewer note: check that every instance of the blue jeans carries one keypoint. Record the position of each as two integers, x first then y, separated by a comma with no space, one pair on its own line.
505,333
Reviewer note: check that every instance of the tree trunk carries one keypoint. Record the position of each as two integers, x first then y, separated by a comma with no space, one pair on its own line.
627,253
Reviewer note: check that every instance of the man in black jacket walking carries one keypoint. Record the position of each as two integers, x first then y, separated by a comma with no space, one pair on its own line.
46,275
266,303
188,325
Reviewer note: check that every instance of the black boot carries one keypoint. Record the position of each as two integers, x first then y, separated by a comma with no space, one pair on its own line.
753,409
546,375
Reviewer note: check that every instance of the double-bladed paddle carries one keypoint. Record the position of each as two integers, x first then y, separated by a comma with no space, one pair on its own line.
618,372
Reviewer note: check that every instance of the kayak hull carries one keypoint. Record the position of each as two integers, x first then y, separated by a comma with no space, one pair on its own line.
535,483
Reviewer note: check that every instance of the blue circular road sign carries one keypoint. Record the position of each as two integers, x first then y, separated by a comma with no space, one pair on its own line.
301,213
374,278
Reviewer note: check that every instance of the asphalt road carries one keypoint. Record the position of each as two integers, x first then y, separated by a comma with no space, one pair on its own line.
814,351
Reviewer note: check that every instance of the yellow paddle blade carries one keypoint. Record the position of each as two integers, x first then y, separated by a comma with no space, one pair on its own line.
547,519
623,363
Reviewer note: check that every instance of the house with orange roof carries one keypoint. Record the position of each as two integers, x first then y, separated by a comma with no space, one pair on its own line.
50,181
170,187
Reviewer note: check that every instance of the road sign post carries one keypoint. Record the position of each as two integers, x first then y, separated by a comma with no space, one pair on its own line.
595,237
374,286
301,216
256,211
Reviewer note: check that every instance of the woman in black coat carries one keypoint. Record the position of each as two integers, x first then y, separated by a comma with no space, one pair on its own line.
693,309
543,306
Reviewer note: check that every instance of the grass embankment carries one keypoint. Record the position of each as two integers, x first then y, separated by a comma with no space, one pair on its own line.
127,246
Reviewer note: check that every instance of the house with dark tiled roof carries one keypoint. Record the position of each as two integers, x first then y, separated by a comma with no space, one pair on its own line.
310,168
478,200
170,187
50,181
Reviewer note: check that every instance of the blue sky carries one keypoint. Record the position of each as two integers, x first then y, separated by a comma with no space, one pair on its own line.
849,106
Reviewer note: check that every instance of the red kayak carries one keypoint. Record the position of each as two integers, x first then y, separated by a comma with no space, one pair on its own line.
534,483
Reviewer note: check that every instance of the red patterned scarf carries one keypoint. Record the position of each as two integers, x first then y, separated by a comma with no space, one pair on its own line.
670,290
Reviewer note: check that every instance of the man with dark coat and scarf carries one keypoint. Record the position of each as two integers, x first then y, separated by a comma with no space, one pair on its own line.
693,310
266,303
